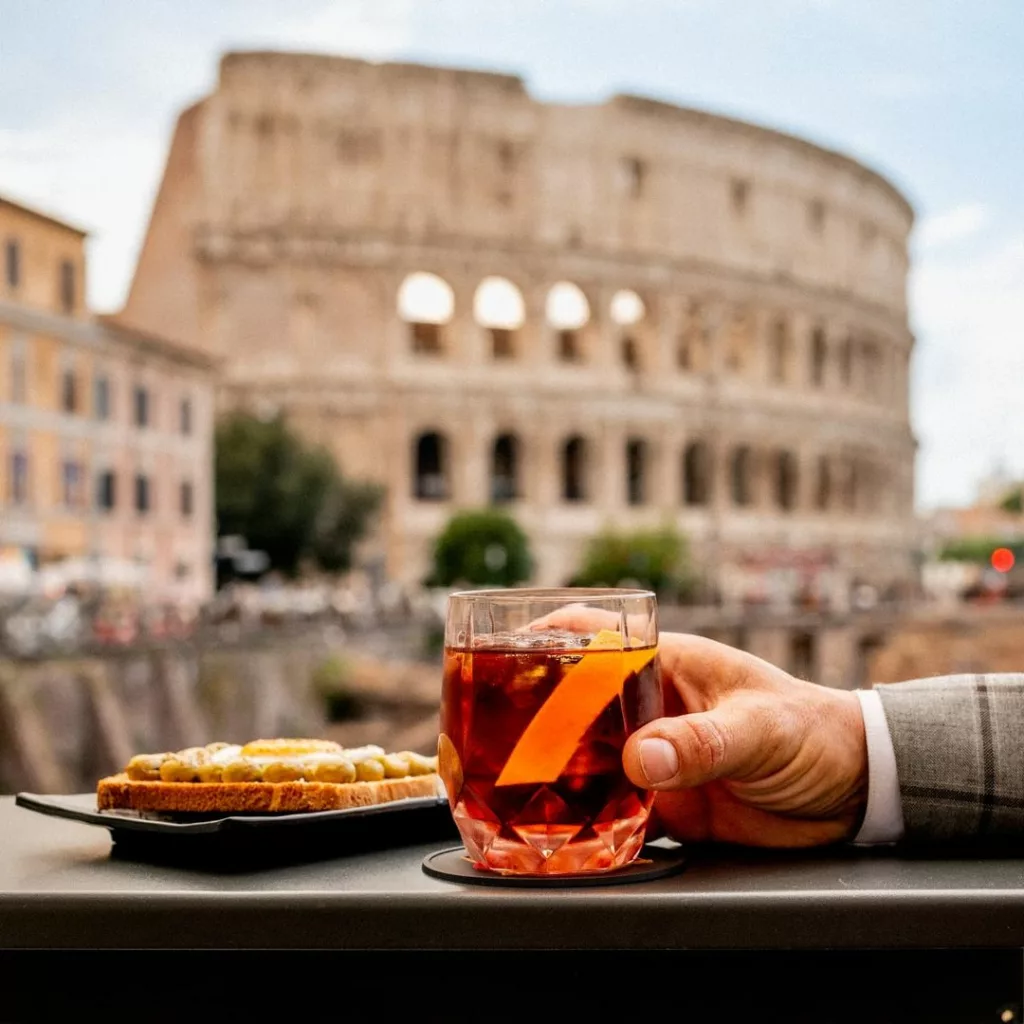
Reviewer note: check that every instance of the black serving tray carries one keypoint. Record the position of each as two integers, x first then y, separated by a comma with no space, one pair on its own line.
233,842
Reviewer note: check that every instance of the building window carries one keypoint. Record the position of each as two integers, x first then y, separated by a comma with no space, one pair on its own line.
505,469
106,490
17,486
819,357
12,263
634,176
101,397
186,499
426,339
568,346
574,470
697,474
502,344
741,476
430,475
568,312
630,355
499,308
426,302
71,483
185,416
67,286
140,406
19,374
816,215
143,497
636,472
739,193
785,481
69,392
779,352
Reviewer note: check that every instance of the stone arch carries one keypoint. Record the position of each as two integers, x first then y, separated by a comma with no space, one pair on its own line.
575,469
697,473
786,480
741,476
505,459
627,311
637,471
498,307
567,310
431,469
426,303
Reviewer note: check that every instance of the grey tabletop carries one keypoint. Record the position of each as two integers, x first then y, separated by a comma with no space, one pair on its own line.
61,888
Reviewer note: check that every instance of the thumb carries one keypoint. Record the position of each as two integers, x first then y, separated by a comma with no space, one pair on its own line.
689,750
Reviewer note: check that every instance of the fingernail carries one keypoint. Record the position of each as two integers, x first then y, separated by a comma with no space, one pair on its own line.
659,760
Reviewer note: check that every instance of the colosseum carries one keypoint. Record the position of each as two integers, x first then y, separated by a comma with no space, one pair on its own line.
621,314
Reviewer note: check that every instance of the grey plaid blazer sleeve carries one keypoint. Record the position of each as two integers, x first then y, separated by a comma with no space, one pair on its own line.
959,744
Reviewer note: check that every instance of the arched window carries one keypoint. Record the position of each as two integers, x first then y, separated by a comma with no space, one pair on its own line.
785,481
693,351
627,308
636,471
742,476
823,487
568,312
630,354
426,303
819,357
430,467
696,474
505,469
779,351
498,306
574,469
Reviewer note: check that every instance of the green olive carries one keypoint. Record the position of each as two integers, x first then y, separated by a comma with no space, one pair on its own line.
335,771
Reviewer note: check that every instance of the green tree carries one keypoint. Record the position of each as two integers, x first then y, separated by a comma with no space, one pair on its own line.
286,497
478,548
657,559
1013,502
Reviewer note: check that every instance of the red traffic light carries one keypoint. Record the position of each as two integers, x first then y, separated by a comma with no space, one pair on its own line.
1002,559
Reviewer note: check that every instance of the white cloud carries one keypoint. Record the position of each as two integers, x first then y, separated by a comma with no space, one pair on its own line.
98,163
969,378
953,225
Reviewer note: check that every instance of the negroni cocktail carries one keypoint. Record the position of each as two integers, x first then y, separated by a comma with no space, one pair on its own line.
533,723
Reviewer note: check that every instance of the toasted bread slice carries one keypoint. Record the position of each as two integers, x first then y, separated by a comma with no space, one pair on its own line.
118,792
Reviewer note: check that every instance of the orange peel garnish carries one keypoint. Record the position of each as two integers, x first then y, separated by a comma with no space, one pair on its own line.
550,740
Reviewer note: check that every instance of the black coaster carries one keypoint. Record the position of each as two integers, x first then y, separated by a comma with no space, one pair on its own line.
452,865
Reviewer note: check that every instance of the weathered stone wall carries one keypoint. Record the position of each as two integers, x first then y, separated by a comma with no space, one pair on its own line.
300,194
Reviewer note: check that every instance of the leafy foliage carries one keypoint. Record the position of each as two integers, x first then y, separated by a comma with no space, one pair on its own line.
657,559
477,548
1013,502
286,497
978,549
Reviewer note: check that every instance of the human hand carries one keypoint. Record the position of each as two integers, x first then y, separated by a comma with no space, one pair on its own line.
758,757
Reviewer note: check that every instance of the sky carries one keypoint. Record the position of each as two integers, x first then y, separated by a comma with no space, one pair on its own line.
928,92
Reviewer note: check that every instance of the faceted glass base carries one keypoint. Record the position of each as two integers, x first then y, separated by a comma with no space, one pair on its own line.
546,848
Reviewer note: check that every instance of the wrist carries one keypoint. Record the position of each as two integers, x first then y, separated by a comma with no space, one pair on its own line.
854,769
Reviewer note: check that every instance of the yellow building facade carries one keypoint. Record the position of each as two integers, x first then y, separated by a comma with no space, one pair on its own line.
105,433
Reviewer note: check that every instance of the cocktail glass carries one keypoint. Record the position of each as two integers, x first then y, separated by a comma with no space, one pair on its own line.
535,712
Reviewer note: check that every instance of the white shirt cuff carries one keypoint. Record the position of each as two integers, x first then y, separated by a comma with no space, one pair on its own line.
883,818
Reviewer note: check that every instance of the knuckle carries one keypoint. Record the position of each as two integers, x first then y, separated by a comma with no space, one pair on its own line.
708,743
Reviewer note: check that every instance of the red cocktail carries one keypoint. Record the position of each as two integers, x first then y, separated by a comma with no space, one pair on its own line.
533,723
